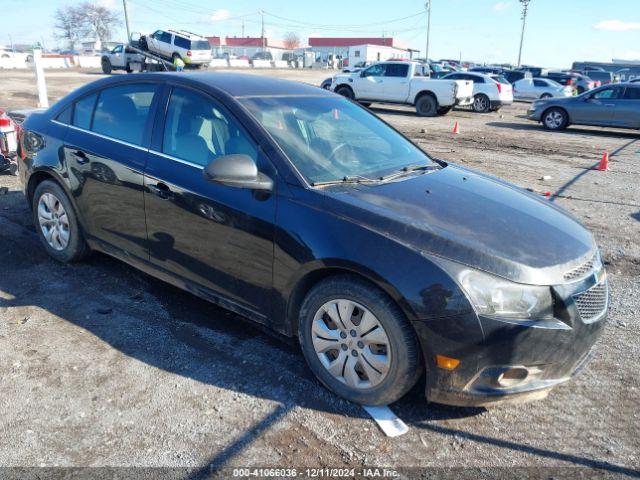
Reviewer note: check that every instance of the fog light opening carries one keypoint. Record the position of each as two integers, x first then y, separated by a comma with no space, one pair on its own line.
513,377
447,363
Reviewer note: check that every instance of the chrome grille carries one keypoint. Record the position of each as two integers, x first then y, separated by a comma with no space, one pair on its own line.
581,270
592,303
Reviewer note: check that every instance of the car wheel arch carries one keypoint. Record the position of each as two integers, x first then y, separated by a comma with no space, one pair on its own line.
39,176
422,93
324,269
344,85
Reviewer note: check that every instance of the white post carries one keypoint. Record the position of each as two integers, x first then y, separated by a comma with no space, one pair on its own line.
43,101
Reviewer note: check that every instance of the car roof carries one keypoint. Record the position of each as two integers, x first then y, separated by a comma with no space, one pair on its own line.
233,84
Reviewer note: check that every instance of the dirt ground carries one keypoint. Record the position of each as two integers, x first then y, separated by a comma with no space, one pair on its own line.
101,365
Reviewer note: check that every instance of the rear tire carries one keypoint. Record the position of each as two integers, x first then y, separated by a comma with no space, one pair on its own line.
106,66
555,119
57,224
345,92
481,103
427,106
376,358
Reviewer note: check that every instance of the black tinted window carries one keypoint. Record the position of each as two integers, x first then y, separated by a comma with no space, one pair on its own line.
83,111
198,131
540,83
632,93
396,70
474,78
182,42
165,37
121,112
65,116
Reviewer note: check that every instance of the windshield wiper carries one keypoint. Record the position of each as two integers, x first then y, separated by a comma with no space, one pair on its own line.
347,179
408,170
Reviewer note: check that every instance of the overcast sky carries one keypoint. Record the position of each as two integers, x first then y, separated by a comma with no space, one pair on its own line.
558,31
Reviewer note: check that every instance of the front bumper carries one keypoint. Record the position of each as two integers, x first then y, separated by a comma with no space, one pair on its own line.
534,114
514,361
500,103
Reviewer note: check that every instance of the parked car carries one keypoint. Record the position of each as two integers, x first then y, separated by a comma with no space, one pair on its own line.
264,55
513,76
489,70
579,82
534,71
604,78
193,49
490,93
616,105
404,83
120,58
8,143
356,67
529,89
303,211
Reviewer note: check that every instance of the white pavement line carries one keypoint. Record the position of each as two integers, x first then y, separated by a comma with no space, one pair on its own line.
388,422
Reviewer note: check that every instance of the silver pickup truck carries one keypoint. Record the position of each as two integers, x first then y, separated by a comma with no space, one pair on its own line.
406,83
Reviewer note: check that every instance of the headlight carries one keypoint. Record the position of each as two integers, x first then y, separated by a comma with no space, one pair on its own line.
496,296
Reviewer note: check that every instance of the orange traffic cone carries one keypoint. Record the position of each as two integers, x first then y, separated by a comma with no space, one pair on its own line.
604,163
456,129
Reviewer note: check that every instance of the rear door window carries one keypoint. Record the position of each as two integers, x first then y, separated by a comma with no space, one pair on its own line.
83,111
121,112
182,42
396,70
540,83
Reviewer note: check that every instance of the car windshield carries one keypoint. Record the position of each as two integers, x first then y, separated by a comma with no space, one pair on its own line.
329,139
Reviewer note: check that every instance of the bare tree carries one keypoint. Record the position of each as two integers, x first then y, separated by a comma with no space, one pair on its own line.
97,20
68,25
291,41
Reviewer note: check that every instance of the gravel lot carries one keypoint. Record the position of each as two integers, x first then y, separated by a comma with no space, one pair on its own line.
101,365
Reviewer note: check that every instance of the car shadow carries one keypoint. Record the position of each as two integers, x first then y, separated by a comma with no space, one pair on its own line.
569,131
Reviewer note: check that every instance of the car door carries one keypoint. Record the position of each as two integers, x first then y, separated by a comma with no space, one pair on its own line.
627,110
216,239
117,56
370,83
105,150
524,89
596,108
165,44
153,41
396,82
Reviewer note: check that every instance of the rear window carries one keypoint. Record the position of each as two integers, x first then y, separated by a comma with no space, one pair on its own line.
200,45
121,112
500,79
83,111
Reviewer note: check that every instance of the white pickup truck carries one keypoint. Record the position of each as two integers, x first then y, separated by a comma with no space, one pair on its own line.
404,83
121,57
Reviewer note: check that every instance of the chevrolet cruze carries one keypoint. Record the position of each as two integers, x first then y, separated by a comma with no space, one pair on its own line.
303,211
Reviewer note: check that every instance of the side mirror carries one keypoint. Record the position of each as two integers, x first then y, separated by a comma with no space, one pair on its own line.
237,170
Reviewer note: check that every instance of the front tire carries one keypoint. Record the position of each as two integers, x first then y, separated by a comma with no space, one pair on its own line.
555,119
357,341
481,103
57,224
345,92
106,66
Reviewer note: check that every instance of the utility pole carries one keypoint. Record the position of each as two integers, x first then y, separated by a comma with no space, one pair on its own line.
525,8
427,5
126,20
262,32
242,27
11,42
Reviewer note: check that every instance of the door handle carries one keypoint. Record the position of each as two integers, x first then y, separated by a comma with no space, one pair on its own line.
80,157
161,190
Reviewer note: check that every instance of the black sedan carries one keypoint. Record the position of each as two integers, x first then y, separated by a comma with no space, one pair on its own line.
616,105
303,211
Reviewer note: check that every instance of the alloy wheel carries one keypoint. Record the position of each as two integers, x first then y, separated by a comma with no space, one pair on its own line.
351,343
53,221
480,103
554,119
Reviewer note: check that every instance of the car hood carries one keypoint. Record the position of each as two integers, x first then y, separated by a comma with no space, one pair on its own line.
474,219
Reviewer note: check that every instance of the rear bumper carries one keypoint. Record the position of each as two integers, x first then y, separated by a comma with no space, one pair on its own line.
510,361
500,103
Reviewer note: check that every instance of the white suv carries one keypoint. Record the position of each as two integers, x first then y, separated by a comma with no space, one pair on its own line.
193,49
490,92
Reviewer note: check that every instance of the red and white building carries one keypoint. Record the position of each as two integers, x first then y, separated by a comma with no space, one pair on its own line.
356,49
